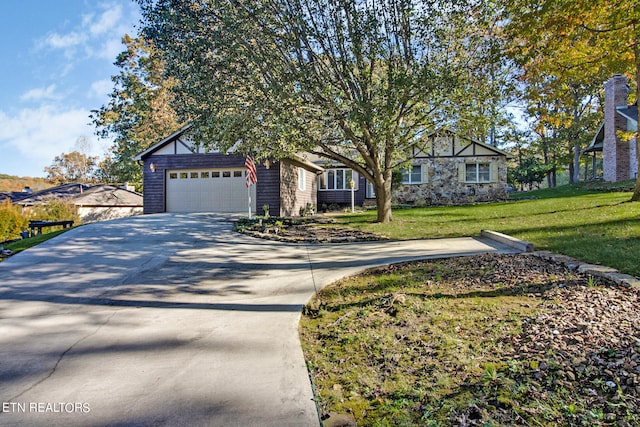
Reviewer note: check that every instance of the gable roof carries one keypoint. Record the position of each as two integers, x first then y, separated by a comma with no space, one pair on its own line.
85,195
155,147
449,132
630,112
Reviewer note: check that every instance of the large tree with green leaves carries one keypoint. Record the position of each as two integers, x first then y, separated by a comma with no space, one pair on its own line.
360,82
140,110
580,41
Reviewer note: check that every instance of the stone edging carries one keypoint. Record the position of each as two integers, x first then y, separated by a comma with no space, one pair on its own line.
521,245
608,273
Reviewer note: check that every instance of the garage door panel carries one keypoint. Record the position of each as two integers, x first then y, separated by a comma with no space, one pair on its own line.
207,190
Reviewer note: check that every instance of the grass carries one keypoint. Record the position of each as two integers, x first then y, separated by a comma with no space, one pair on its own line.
21,245
600,227
440,342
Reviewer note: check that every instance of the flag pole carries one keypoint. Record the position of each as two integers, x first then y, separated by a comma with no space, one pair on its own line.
249,199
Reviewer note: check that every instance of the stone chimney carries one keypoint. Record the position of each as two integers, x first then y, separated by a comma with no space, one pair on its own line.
616,154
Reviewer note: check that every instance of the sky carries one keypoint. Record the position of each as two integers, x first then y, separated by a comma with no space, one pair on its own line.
56,63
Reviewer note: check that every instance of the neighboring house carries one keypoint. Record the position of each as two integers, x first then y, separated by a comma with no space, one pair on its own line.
179,176
619,157
94,202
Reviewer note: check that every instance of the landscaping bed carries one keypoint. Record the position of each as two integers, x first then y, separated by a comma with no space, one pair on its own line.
315,229
485,340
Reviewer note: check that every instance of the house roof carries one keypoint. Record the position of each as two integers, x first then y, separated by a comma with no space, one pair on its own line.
630,113
86,195
496,150
155,147
598,141
298,159
13,196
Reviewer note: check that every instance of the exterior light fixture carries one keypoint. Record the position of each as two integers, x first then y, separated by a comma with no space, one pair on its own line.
267,164
152,167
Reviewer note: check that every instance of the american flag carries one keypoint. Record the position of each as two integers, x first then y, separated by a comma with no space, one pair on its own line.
252,176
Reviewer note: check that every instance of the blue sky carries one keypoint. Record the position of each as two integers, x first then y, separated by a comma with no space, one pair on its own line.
56,62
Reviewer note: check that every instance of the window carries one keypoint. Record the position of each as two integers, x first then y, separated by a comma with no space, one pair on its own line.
337,179
237,174
173,175
215,174
204,174
413,175
226,174
302,179
183,175
477,172
194,175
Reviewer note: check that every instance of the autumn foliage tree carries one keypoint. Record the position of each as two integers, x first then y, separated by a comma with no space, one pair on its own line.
139,112
580,42
362,83
71,167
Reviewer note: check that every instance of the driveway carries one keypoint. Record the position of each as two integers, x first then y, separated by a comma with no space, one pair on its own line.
171,320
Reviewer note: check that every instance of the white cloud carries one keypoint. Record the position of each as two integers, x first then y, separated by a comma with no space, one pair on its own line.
40,134
39,94
108,20
64,41
101,88
98,34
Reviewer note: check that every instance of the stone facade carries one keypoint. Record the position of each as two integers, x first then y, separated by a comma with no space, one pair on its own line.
445,183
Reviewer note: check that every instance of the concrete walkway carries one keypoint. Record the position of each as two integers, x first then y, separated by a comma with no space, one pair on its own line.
171,320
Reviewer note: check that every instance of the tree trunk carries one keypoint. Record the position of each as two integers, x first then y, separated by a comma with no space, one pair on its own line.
636,191
576,163
383,199
636,51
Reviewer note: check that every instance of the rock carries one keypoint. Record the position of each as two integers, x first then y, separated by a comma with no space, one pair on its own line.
339,420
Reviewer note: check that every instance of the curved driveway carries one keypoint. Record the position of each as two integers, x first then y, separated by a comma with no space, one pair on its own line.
170,320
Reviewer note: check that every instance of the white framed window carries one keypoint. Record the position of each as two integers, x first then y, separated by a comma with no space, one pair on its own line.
477,172
302,179
337,179
413,175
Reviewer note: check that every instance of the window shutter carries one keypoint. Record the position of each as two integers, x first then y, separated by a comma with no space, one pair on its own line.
425,173
462,171
494,172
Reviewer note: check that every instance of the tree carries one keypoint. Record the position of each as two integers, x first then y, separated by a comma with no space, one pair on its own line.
71,167
359,82
583,39
140,110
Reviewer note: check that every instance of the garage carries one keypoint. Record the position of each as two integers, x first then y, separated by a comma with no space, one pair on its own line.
207,190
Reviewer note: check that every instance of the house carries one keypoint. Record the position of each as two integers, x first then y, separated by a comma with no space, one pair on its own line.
94,202
180,176
619,157
453,170
448,169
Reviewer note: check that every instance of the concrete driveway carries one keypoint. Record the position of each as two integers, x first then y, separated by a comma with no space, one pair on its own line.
171,320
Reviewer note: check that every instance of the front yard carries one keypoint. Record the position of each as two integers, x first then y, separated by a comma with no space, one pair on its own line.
492,340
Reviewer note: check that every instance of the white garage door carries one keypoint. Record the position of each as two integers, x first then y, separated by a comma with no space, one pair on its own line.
207,190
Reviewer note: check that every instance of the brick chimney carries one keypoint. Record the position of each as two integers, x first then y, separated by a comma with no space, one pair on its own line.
616,154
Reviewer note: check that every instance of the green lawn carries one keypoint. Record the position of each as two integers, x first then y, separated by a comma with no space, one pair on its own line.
593,226
23,244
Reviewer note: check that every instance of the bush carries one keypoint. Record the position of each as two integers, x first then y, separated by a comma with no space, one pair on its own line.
55,210
12,221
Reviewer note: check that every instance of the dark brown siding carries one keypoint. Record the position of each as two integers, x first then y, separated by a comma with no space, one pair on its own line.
268,189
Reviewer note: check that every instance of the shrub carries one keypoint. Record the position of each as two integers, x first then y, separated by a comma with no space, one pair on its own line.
12,222
56,210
